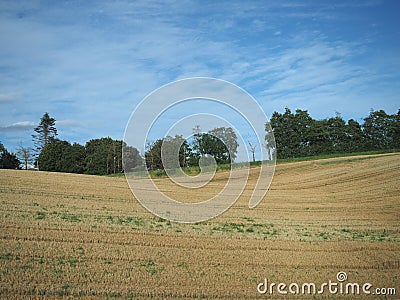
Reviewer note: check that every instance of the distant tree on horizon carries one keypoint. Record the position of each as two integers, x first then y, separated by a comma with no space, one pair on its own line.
8,160
46,133
298,134
131,158
61,156
166,147
25,155
220,143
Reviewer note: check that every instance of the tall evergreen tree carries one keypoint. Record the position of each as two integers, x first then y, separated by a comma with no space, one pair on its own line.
46,133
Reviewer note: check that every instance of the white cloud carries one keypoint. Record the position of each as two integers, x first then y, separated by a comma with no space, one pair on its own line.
104,57
18,126
9,97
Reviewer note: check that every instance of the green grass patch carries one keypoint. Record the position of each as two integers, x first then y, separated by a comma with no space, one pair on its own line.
148,263
70,218
334,155
6,256
40,215
195,170
230,227
125,220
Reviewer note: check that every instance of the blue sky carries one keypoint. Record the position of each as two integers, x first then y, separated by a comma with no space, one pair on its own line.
89,63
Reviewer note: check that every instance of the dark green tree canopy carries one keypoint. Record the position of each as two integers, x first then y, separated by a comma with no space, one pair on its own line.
287,135
104,156
8,160
210,145
131,159
381,131
297,134
220,143
229,138
61,156
99,157
167,147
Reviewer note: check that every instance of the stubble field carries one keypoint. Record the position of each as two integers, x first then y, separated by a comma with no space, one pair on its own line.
64,235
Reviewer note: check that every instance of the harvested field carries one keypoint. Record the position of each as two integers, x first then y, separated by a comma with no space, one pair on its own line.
67,235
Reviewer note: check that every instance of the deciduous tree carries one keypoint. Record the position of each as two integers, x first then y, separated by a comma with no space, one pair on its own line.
25,155
61,156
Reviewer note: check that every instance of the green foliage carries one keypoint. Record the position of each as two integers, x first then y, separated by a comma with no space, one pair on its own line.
354,137
210,145
288,135
131,159
8,160
169,148
40,215
229,139
299,135
99,157
153,155
70,218
382,131
76,158
61,156
104,156
219,143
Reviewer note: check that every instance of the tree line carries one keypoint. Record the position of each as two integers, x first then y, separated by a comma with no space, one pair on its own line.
296,134
107,156
98,156
219,143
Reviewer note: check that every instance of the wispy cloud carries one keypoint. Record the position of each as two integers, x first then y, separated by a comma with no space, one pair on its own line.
18,126
7,98
90,63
